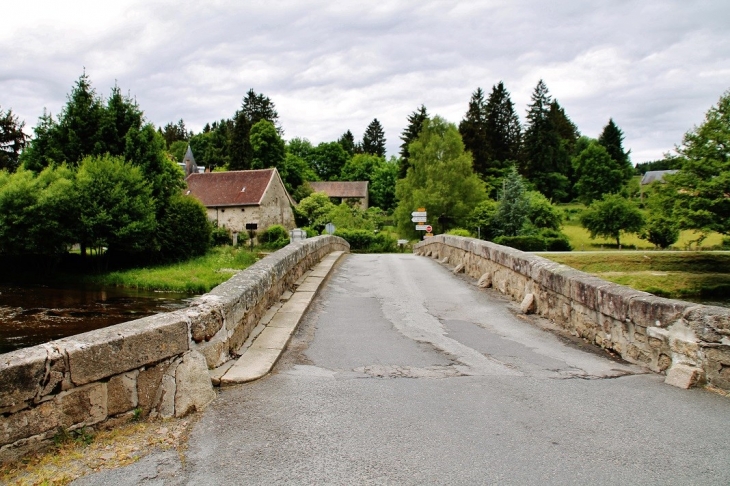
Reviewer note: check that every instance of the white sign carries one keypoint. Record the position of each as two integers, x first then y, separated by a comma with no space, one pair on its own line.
422,227
419,219
329,228
419,213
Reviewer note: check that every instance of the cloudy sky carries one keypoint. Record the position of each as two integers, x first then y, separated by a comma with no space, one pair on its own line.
655,67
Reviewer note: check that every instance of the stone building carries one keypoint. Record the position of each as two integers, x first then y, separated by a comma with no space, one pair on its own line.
342,191
236,198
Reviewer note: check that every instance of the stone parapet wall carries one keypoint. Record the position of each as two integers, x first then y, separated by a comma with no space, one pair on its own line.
155,365
687,341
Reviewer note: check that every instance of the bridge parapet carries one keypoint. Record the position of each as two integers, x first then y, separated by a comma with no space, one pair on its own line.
155,365
687,341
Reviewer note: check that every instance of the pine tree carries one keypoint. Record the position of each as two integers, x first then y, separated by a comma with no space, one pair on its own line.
258,107
473,130
503,131
373,140
121,115
347,140
12,140
174,132
410,133
79,123
545,161
612,140
510,218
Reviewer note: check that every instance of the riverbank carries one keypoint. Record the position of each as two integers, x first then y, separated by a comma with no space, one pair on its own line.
703,275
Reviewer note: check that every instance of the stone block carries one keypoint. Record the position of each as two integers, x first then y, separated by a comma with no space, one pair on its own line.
684,376
528,304
710,323
614,300
718,366
122,393
485,281
194,390
215,351
148,386
459,268
86,404
21,373
30,422
57,371
649,310
116,349
205,322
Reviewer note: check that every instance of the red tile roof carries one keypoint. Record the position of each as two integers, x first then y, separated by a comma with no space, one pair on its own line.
232,188
342,189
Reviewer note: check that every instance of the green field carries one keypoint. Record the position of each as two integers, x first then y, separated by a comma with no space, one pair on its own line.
675,274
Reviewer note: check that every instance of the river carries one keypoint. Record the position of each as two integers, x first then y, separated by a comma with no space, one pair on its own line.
31,315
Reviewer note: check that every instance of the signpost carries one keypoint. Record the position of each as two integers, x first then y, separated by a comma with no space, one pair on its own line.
420,217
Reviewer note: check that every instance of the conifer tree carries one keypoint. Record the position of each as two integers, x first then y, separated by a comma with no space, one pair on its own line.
373,140
510,219
78,132
347,140
12,140
503,131
612,140
473,130
410,133
121,115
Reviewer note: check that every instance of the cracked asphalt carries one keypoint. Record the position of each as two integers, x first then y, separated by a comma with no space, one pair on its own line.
402,373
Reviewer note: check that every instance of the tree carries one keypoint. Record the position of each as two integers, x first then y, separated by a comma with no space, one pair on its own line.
440,179
120,115
612,140
382,185
410,133
347,140
184,230
473,130
541,213
361,167
254,108
612,216
295,172
269,150
373,140
175,132
596,172
698,192
79,125
480,219
503,131
545,161
327,160
12,140
257,107
116,209
313,211
661,231
511,217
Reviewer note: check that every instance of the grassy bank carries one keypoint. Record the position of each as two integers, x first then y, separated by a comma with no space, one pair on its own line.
670,274
198,275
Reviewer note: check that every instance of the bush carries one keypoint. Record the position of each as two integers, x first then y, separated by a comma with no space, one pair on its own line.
662,232
184,230
274,237
524,243
220,236
459,232
311,232
365,241
555,240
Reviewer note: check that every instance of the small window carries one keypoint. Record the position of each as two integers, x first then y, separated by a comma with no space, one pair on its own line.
244,189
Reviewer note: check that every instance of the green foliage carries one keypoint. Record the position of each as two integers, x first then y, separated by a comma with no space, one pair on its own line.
327,160
116,208
410,133
661,231
313,211
597,173
373,140
524,242
273,237
480,219
12,140
268,147
698,192
459,232
177,149
350,217
511,217
440,179
612,140
364,241
542,213
382,185
183,231
612,216
81,436
175,132
361,167
295,172
221,236
347,140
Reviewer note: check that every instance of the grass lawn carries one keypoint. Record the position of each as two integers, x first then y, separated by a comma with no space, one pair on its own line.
198,275
704,274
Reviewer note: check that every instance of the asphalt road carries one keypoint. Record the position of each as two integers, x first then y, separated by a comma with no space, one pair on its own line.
402,373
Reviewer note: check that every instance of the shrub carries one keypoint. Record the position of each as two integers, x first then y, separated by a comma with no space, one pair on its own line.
662,232
274,237
365,241
311,232
524,243
459,232
183,230
220,236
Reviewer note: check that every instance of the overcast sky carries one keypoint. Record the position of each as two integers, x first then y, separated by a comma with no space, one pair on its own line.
655,67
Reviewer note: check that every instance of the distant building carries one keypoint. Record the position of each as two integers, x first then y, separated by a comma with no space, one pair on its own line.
655,175
339,191
188,164
235,198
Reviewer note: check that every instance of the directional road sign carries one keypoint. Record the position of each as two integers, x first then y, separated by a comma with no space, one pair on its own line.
419,219
422,227
418,213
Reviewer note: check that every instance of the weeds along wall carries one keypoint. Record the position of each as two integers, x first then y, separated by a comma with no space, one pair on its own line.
156,365
688,342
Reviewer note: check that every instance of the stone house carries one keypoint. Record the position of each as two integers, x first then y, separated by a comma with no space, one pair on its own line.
236,198
343,191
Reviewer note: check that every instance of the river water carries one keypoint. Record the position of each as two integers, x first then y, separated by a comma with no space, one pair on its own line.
31,315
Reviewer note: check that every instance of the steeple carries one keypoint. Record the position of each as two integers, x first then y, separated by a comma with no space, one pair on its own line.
189,162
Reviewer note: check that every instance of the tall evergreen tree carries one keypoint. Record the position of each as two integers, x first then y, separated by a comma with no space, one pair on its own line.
510,219
473,130
503,131
254,108
12,140
373,140
545,160
347,140
259,107
174,132
410,133
121,115
78,127
612,140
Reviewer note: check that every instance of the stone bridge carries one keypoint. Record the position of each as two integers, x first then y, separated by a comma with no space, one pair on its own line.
161,365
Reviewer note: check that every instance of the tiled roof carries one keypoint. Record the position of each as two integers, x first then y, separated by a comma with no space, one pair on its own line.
232,188
655,175
342,189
